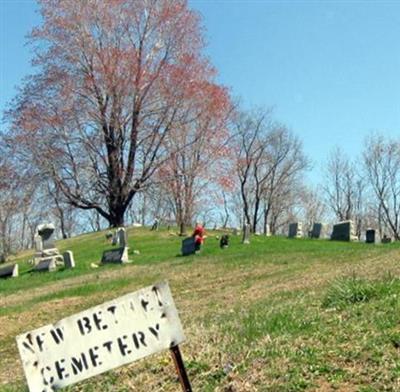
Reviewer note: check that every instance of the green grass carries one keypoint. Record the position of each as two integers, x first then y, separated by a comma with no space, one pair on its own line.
351,290
275,315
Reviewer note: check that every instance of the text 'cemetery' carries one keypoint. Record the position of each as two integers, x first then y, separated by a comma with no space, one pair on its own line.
101,338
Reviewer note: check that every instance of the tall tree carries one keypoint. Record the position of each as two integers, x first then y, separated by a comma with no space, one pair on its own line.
13,200
344,187
198,156
248,131
269,161
382,165
114,78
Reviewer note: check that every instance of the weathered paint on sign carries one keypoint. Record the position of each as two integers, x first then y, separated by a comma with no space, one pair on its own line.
101,338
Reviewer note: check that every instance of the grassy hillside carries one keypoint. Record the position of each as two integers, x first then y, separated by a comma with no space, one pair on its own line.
275,315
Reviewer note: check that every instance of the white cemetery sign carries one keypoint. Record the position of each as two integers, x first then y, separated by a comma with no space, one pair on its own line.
101,338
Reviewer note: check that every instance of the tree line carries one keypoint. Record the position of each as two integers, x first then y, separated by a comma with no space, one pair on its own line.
123,121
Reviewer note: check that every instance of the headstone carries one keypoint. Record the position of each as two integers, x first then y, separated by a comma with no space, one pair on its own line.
344,231
44,265
45,246
109,235
9,271
188,246
386,240
267,231
2,258
38,243
246,234
224,241
370,236
46,232
115,256
316,231
122,237
69,261
295,230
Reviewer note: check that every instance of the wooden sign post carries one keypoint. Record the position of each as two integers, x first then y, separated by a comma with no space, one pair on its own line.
102,338
180,369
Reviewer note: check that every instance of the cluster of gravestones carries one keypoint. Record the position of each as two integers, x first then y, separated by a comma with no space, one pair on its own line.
188,244
47,257
117,255
342,231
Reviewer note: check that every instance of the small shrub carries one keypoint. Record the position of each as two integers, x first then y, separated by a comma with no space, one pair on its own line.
349,290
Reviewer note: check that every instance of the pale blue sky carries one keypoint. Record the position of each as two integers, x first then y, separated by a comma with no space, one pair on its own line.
331,69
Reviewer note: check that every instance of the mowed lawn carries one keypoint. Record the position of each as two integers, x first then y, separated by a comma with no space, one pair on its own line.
275,315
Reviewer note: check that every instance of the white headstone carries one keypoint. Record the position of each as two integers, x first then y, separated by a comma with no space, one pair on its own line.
38,243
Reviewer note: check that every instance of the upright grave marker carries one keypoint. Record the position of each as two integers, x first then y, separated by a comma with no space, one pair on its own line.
69,261
102,338
188,246
9,271
317,230
344,231
46,265
370,236
295,230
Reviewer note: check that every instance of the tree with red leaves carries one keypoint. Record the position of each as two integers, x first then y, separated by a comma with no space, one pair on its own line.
13,200
116,80
199,155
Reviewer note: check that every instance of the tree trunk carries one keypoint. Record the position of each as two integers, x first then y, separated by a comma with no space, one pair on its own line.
62,223
266,214
182,229
116,218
